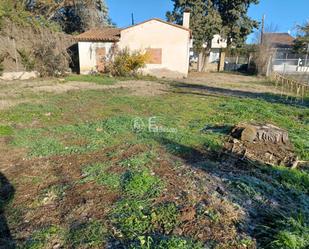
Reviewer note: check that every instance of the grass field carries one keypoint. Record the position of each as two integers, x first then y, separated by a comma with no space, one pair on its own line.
82,169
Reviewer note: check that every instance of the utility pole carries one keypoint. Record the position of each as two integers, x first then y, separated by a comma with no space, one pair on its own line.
306,61
132,17
263,28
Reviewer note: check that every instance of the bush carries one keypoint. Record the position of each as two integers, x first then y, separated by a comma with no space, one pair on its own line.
26,59
1,67
126,63
50,60
2,57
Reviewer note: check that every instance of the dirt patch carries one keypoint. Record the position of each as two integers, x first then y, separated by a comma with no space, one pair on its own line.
236,82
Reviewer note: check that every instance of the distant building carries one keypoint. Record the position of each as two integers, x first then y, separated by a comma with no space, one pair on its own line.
167,44
217,44
281,42
215,56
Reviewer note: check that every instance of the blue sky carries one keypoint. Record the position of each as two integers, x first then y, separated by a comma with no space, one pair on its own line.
284,14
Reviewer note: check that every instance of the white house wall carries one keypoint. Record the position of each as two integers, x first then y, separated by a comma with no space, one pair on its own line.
87,55
174,42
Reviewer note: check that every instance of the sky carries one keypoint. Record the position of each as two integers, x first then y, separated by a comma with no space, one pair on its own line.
283,14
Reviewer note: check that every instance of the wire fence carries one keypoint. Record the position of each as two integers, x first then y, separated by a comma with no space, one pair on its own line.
297,69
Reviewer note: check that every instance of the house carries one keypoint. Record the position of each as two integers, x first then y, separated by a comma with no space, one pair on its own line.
215,60
281,42
167,44
217,44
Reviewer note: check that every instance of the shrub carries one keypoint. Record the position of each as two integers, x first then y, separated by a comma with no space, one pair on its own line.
1,63
26,59
50,54
50,59
1,68
126,63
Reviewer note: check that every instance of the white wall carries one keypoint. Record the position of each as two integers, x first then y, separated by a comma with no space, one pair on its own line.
175,43
87,55
214,55
218,42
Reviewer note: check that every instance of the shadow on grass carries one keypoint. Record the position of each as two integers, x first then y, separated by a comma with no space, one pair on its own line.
6,194
203,90
258,189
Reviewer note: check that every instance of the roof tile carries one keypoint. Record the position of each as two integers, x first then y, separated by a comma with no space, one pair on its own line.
100,34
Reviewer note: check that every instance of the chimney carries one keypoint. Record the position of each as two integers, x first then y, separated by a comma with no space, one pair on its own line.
186,18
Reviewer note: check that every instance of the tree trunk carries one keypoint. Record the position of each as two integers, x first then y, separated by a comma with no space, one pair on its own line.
202,60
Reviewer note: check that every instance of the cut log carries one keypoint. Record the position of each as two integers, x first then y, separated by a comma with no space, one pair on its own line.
267,133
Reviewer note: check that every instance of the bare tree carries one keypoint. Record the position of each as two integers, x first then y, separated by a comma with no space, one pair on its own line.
265,50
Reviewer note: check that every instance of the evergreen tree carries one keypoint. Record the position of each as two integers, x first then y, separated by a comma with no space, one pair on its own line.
302,41
209,17
237,25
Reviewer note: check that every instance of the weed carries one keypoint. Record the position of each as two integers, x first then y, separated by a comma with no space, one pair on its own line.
99,173
141,184
87,235
45,238
146,242
26,59
292,233
292,179
251,186
132,218
165,217
6,131
138,161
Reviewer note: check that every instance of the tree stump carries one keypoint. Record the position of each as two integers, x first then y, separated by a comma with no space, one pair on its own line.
264,143
266,133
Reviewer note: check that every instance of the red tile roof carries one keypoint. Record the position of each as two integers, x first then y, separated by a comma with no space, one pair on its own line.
278,39
100,34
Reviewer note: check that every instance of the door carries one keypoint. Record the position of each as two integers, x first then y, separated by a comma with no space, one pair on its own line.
100,55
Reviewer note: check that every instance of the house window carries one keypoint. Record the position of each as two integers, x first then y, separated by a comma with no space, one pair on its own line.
154,56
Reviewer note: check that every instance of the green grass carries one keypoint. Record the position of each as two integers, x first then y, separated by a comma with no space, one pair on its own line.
52,141
89,121
139,161
134,218
44,238
146,242
97,79
87,235
6,130
286,232
292,179
141,184
105,79
99,174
